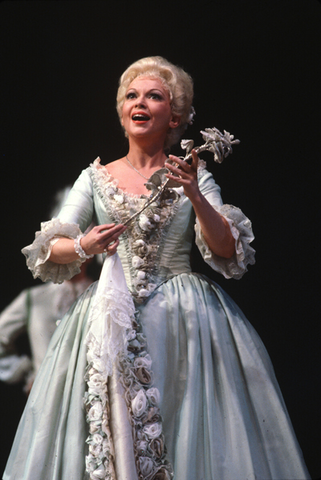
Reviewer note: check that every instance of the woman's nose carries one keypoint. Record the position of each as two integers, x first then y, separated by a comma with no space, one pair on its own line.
140,102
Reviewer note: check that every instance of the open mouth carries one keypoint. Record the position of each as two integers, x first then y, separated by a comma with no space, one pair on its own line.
140,117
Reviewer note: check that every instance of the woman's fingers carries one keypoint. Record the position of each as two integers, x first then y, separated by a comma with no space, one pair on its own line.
109,238
185,174
180,166
98,239
194,163
111,249
112,231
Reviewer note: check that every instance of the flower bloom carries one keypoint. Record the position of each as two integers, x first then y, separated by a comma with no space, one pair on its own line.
139,403
144,222
153,395
95,412
143,375
137,262
99,473
119,198
143,362
97,439
157,447
154,430
96,384
141,275
142,446
146,465
162,474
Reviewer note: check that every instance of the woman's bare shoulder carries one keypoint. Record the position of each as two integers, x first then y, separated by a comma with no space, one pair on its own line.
115,165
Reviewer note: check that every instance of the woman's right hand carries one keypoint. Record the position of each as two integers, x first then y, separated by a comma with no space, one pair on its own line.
102,239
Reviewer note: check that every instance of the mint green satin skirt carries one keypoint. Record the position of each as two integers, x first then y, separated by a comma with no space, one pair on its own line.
224,417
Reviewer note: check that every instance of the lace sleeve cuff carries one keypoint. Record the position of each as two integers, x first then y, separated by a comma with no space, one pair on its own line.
38,253
241,229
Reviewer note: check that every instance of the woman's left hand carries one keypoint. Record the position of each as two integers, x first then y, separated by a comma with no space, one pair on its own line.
215,228
185,174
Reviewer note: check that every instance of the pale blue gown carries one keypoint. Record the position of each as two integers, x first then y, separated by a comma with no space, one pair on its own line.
191,391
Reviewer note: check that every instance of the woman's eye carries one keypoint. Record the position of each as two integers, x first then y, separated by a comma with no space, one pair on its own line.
156,96
130,95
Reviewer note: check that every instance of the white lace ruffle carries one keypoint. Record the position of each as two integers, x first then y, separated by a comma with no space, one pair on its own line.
39,251
111,315
110,327
241,229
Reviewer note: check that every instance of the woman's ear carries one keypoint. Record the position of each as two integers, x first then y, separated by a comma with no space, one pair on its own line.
175,121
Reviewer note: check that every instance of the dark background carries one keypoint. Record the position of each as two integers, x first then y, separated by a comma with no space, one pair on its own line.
256,66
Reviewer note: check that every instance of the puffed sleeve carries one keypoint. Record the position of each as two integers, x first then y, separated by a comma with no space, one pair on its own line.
241,229
74,218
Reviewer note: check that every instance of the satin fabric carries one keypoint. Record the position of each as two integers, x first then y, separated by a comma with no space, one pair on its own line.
224,417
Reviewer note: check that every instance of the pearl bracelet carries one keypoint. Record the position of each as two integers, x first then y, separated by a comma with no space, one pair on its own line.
79,250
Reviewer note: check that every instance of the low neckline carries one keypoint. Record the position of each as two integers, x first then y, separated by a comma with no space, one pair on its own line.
115,182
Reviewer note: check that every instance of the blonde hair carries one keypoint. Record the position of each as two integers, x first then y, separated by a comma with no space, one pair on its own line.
177,82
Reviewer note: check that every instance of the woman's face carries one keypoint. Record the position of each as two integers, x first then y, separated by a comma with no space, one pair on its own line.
147,110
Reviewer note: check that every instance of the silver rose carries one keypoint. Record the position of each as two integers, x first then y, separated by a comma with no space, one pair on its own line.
187,145
216,142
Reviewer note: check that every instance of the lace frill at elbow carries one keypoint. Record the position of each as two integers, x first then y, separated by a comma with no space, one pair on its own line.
241,229
38,253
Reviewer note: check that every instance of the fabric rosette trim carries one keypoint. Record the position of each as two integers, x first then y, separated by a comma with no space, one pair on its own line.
100,459
142,400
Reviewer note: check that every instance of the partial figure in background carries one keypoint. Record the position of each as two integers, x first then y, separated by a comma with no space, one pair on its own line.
34,314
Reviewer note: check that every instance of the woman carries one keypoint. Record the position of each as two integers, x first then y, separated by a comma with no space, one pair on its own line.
191,390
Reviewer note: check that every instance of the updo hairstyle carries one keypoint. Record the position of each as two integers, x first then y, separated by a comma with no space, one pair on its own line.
175,80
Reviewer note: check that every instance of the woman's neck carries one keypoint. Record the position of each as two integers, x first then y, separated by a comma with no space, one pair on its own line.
141,157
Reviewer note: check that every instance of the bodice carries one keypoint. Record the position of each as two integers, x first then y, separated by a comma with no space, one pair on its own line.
157,243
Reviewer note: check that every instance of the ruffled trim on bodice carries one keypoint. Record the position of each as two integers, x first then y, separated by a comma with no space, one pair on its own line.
38,253
241,229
